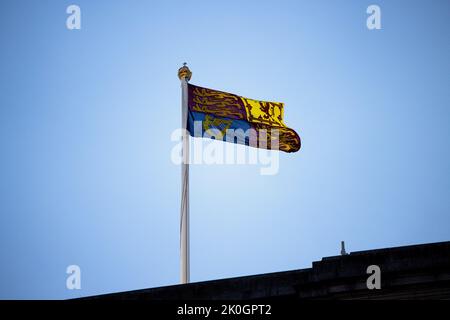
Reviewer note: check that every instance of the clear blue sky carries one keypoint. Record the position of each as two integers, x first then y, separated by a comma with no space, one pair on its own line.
86,116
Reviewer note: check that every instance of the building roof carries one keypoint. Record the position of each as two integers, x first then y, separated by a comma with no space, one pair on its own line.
409,272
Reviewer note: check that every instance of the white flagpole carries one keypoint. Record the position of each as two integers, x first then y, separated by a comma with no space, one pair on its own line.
185,75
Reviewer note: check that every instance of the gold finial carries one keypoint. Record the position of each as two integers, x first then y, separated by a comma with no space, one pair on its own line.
184,72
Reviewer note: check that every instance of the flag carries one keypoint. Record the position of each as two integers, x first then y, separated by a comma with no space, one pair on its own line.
232,118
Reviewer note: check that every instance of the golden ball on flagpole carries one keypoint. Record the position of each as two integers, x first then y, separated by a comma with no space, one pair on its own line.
184,72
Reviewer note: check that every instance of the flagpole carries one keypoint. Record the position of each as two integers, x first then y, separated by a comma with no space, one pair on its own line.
184,74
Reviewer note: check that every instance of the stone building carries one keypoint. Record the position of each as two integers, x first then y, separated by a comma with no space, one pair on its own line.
409,272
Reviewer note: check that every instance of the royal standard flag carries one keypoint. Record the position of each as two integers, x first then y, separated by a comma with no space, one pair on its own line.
232,118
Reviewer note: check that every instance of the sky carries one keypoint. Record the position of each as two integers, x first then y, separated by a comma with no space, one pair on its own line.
86,117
